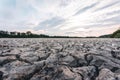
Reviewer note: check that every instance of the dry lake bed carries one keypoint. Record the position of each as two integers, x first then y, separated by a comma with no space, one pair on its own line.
60,59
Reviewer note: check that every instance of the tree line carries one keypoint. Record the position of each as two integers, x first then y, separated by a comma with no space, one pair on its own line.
28,34
115,34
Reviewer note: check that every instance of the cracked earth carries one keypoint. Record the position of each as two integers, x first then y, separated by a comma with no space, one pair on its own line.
59,59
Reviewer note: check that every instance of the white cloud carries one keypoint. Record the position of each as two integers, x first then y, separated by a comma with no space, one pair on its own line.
77,16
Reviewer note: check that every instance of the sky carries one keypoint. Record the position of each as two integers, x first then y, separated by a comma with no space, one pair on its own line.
61,17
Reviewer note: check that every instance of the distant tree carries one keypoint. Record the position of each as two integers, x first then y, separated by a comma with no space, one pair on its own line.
23,35
105,36
13,33
43,35
4,34
18,33
116,34
28,33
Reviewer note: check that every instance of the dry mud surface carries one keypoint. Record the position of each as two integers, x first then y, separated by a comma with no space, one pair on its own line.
59,59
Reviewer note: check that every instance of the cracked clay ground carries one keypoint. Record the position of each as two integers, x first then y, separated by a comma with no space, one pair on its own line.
59,59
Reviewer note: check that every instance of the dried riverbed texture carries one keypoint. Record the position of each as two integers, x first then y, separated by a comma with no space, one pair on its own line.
59,59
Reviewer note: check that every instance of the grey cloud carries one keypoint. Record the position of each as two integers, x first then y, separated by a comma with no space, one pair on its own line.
107,6
114,12
86,8
99,24
73,32
48,24
115,19
7,15
65,3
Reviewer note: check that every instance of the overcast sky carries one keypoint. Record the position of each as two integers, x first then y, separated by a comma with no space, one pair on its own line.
61,17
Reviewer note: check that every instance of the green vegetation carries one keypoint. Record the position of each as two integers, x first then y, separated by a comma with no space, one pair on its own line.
105,36
28,34
115,34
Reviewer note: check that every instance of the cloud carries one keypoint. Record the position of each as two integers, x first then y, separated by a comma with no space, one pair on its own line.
60,17
47,24
86,8
93,31
108,5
